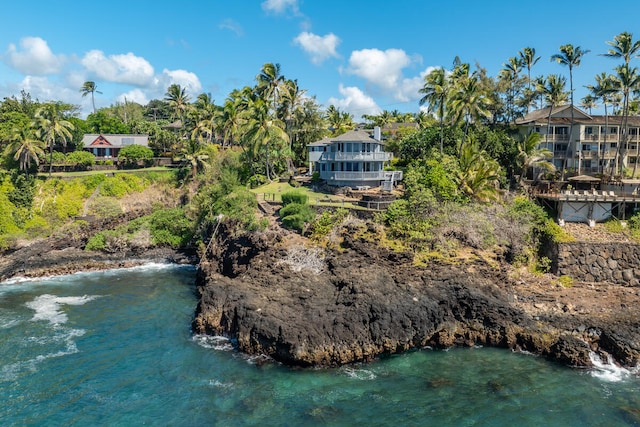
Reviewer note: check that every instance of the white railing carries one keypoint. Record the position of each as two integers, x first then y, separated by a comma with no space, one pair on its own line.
357,156
352,176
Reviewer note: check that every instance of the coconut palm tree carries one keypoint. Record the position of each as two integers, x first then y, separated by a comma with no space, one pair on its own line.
511,70
625,80
178,100
436,91
623,46
571,57
87,88
262,131
603,90
469,102
269,84
53,127
26,148
555,94
193,154
531,155
529,59
479,173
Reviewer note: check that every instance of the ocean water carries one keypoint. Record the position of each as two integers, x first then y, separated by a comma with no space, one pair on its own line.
115,348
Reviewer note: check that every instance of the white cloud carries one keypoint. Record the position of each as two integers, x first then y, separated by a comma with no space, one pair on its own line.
34,57
381,68
134,95
186,79
127,68
231,25
355,102
280,6
319,48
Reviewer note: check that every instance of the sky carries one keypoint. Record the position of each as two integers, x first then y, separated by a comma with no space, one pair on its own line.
361,56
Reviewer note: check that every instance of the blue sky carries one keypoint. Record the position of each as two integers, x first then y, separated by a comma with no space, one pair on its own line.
361,56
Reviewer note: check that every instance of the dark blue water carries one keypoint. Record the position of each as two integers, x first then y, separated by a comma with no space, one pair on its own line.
114,348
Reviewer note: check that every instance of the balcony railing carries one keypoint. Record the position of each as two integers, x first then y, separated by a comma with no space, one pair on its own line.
357,156
352,176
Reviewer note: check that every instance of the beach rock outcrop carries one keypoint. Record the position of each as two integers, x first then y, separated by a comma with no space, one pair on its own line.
307,307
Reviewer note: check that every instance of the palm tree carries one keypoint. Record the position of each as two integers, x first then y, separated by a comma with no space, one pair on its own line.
625,80
555,94
603,89
571,57
90,87
588,102
510,74
469,101
178,100
26,148
479,173
529,59
193,154
624,47
52,127
339,121
262,131
269,83
531,156
436,90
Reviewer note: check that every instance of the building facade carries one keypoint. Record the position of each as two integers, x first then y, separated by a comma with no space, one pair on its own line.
355,159
107,146
591,146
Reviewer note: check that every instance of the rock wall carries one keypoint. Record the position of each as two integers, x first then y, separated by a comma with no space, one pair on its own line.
598,262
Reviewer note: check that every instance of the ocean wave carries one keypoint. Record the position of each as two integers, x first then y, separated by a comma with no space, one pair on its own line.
214,342
605,369
359,373
66,336
48,307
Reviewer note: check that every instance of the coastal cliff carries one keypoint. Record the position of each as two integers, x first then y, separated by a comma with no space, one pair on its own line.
278,295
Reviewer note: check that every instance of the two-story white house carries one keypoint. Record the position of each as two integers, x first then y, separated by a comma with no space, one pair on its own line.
590,146
354,159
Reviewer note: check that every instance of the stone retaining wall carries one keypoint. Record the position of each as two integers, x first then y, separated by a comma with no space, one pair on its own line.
598,262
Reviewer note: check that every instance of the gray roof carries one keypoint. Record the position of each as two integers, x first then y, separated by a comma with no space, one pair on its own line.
355,135
113,140
541,117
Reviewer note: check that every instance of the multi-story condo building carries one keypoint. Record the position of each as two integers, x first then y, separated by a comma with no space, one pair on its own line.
590,147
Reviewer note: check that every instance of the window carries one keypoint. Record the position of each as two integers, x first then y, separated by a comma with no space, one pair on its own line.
561,147
563,130
613,130
588,130
586,147
633,131
614,144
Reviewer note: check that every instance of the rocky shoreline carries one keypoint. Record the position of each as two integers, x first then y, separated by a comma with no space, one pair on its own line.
280,297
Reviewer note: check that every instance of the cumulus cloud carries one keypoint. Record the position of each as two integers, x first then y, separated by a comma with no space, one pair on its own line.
231,25
280,6
134,95
355,101
381,68
127,68
34,57
186,79
319,48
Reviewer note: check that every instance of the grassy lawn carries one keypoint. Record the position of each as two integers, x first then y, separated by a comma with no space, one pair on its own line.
272,192
101,172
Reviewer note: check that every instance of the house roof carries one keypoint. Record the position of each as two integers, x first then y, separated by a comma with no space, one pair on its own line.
351,136
114,140
561,115
584,178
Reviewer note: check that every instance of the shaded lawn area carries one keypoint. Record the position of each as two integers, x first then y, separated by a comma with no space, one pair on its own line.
272,192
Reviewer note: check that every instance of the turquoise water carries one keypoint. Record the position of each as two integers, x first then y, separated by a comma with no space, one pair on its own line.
114,348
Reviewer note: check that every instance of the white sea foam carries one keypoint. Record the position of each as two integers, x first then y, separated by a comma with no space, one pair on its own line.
219,384
48,307
607,370
359,373
64,335
214,342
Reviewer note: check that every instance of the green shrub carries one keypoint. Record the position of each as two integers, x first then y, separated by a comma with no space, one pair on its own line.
315,177
105,207
295,215
326,221
133,154
96,242
58,157
170,227
81,158
257,180
294,197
